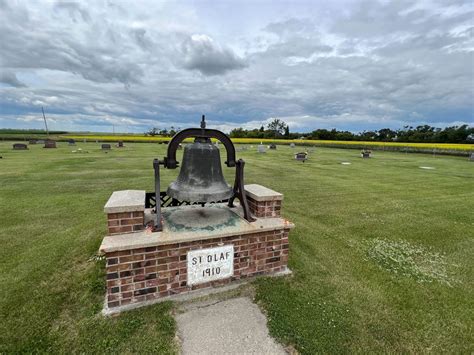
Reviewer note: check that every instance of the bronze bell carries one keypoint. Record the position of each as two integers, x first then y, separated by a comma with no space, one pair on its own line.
200,178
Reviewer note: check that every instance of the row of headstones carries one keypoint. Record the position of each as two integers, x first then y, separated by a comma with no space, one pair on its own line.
52,144
302,156
22,146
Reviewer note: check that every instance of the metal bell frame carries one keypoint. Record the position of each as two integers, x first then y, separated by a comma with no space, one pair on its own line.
169,162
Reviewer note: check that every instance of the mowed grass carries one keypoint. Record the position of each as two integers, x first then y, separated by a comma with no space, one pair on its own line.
382,252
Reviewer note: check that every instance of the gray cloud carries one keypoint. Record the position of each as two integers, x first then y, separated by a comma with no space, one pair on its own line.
94,52
202,53
374,64
10,79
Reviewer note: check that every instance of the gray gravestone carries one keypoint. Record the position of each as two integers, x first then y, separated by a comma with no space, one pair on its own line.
49,144
20,146
365,154
302,156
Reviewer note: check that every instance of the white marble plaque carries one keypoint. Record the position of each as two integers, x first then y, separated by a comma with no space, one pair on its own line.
211,264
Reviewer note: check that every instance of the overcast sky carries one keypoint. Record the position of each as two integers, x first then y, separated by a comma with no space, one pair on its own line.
352,65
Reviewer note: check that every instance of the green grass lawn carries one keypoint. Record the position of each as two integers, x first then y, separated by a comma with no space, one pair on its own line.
382,252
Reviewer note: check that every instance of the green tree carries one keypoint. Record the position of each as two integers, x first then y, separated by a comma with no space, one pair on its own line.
152,132
277,127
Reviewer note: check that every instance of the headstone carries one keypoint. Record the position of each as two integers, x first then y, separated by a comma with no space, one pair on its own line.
292,145
471,157
272,146
32,141
261,148
49,144
71,142
106,146
302,156
180,146
365,153
20,146
120,144
40,141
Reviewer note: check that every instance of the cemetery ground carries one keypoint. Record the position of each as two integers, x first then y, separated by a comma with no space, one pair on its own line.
382,252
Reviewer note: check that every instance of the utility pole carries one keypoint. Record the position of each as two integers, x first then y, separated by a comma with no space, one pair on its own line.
45,123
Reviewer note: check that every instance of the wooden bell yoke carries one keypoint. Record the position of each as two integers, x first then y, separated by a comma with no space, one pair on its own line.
169,162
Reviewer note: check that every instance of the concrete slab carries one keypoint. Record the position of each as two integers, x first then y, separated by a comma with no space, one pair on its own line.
183,225
126,201
262,193
235,326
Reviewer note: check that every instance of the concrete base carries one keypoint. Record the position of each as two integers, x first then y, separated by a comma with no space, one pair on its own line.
189,296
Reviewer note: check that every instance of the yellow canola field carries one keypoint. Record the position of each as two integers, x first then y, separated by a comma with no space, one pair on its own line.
342,144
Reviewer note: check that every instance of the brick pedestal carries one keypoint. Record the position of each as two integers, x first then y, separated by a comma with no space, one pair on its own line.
125,211
149,273
263,202
144,266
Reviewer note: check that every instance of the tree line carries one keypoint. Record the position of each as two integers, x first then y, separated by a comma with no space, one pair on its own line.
278,129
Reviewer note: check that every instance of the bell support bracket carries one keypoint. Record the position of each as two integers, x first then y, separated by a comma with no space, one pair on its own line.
170,159
239,190
158,227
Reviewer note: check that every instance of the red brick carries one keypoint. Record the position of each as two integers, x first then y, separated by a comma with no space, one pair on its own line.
140,285
150,283
127,259
127,294
120,215
162,254
162,267
131,221
126,280
113,222
128,287
113,283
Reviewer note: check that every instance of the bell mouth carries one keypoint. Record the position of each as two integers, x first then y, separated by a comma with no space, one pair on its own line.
203,195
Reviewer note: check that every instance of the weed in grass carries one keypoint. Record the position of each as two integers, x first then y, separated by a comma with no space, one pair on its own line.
405,259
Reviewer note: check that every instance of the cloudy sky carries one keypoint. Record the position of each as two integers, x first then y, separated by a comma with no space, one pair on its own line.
132,65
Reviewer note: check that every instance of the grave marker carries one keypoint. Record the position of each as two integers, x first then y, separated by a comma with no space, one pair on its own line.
49,144
20,146
302,156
